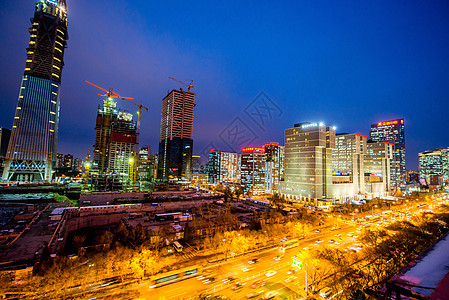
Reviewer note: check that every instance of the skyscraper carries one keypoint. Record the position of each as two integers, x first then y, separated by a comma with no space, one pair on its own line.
393,132
175,146
252,170
377,168
274,168
348,171
222,166
308,161
33,144
434,162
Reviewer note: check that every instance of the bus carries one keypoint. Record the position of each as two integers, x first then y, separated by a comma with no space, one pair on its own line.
289,244
174,276
177,246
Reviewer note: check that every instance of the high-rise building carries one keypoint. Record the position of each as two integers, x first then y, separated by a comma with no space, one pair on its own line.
147,164
252,170
197,166
175,146
34,135
5,134
274,168
115,139
348,171
68,161
222,166
393,132
377,168
434,162
308,161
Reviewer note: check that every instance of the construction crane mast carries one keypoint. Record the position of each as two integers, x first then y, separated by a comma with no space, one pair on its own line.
190,85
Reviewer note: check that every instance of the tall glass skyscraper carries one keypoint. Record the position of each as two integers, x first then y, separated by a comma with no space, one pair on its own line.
392,132
34,137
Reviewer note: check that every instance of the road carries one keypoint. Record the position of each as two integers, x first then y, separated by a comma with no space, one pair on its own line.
282,282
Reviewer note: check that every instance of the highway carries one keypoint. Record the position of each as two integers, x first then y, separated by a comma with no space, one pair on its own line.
268,274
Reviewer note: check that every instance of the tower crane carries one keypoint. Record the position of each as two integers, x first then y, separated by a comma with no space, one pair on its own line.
190,85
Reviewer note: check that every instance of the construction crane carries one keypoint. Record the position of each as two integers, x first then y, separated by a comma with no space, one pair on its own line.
133,159
187,85
48,167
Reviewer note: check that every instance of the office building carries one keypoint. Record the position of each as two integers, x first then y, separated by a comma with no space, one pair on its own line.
252,170
308,162
34,136
392,132
147,164
274,168
175,146
197,165
348,170
434,162
377,169
68,161
222,166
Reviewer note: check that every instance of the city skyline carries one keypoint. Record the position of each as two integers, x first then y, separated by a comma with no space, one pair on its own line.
391,65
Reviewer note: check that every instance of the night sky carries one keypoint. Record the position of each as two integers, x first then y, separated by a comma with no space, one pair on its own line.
345,63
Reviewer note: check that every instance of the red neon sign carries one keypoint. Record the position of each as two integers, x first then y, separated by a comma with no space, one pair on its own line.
250,149
271,144
394,122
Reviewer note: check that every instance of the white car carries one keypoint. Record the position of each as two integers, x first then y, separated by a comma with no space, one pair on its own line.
270,273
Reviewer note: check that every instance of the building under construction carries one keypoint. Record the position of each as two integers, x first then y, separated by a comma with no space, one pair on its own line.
115,139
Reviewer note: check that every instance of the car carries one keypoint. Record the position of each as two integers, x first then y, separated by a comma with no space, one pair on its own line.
290,279
278,258
338,235
350,234
258,284
229,279
254,294
209,280
326,292
331,241
292,271
253,261
270,273
237,287
337,243
247,269
319,241
269,295
317,231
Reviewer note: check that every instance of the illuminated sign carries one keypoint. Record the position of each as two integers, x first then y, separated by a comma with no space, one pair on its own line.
54,2
250,149
272,144
309,125
394,122
296,263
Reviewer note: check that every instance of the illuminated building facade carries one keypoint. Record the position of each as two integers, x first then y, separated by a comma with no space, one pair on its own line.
348,175
392,132
274,167
434,162
377,168
308,161
222,166
176,143
115,139
34,137
252,170
147,164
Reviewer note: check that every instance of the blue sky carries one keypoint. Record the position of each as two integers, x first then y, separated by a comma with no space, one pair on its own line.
345,63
